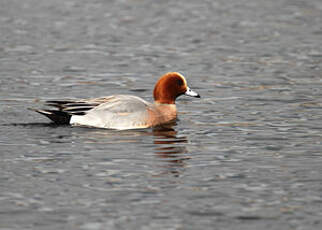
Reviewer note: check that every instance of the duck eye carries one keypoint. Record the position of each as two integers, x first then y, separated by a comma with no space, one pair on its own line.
179,82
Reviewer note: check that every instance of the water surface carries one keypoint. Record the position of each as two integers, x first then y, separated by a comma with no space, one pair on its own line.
247,155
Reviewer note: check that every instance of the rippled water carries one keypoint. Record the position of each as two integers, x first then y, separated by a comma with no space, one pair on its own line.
247,155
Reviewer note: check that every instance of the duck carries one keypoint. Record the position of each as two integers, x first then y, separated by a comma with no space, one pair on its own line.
123,112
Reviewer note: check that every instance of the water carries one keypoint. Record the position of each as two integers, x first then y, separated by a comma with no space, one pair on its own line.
247,155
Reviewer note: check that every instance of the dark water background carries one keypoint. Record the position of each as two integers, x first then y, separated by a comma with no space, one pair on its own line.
248,155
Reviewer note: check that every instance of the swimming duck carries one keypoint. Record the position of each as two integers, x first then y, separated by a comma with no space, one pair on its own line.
123,111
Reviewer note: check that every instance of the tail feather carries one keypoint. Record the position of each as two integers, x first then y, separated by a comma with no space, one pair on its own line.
57,116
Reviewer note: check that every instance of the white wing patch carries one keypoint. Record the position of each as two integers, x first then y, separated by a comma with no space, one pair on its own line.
116,112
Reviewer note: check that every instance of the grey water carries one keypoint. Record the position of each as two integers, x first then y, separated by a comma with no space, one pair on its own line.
247,155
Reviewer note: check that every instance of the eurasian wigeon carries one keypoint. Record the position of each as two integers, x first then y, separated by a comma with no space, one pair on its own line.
123,111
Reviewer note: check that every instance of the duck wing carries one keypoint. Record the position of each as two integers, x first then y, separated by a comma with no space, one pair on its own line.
116,104
116,112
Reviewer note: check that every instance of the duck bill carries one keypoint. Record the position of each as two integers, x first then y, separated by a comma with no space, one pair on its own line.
191,93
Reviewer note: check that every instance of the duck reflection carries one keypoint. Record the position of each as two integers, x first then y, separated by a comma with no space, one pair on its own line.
168,146
171,148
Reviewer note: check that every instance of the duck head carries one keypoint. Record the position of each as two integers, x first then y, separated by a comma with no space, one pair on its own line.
170,86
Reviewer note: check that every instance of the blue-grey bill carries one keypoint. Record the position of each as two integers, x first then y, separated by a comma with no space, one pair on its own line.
191,93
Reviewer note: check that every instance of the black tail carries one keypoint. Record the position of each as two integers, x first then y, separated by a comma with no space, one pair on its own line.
58,117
